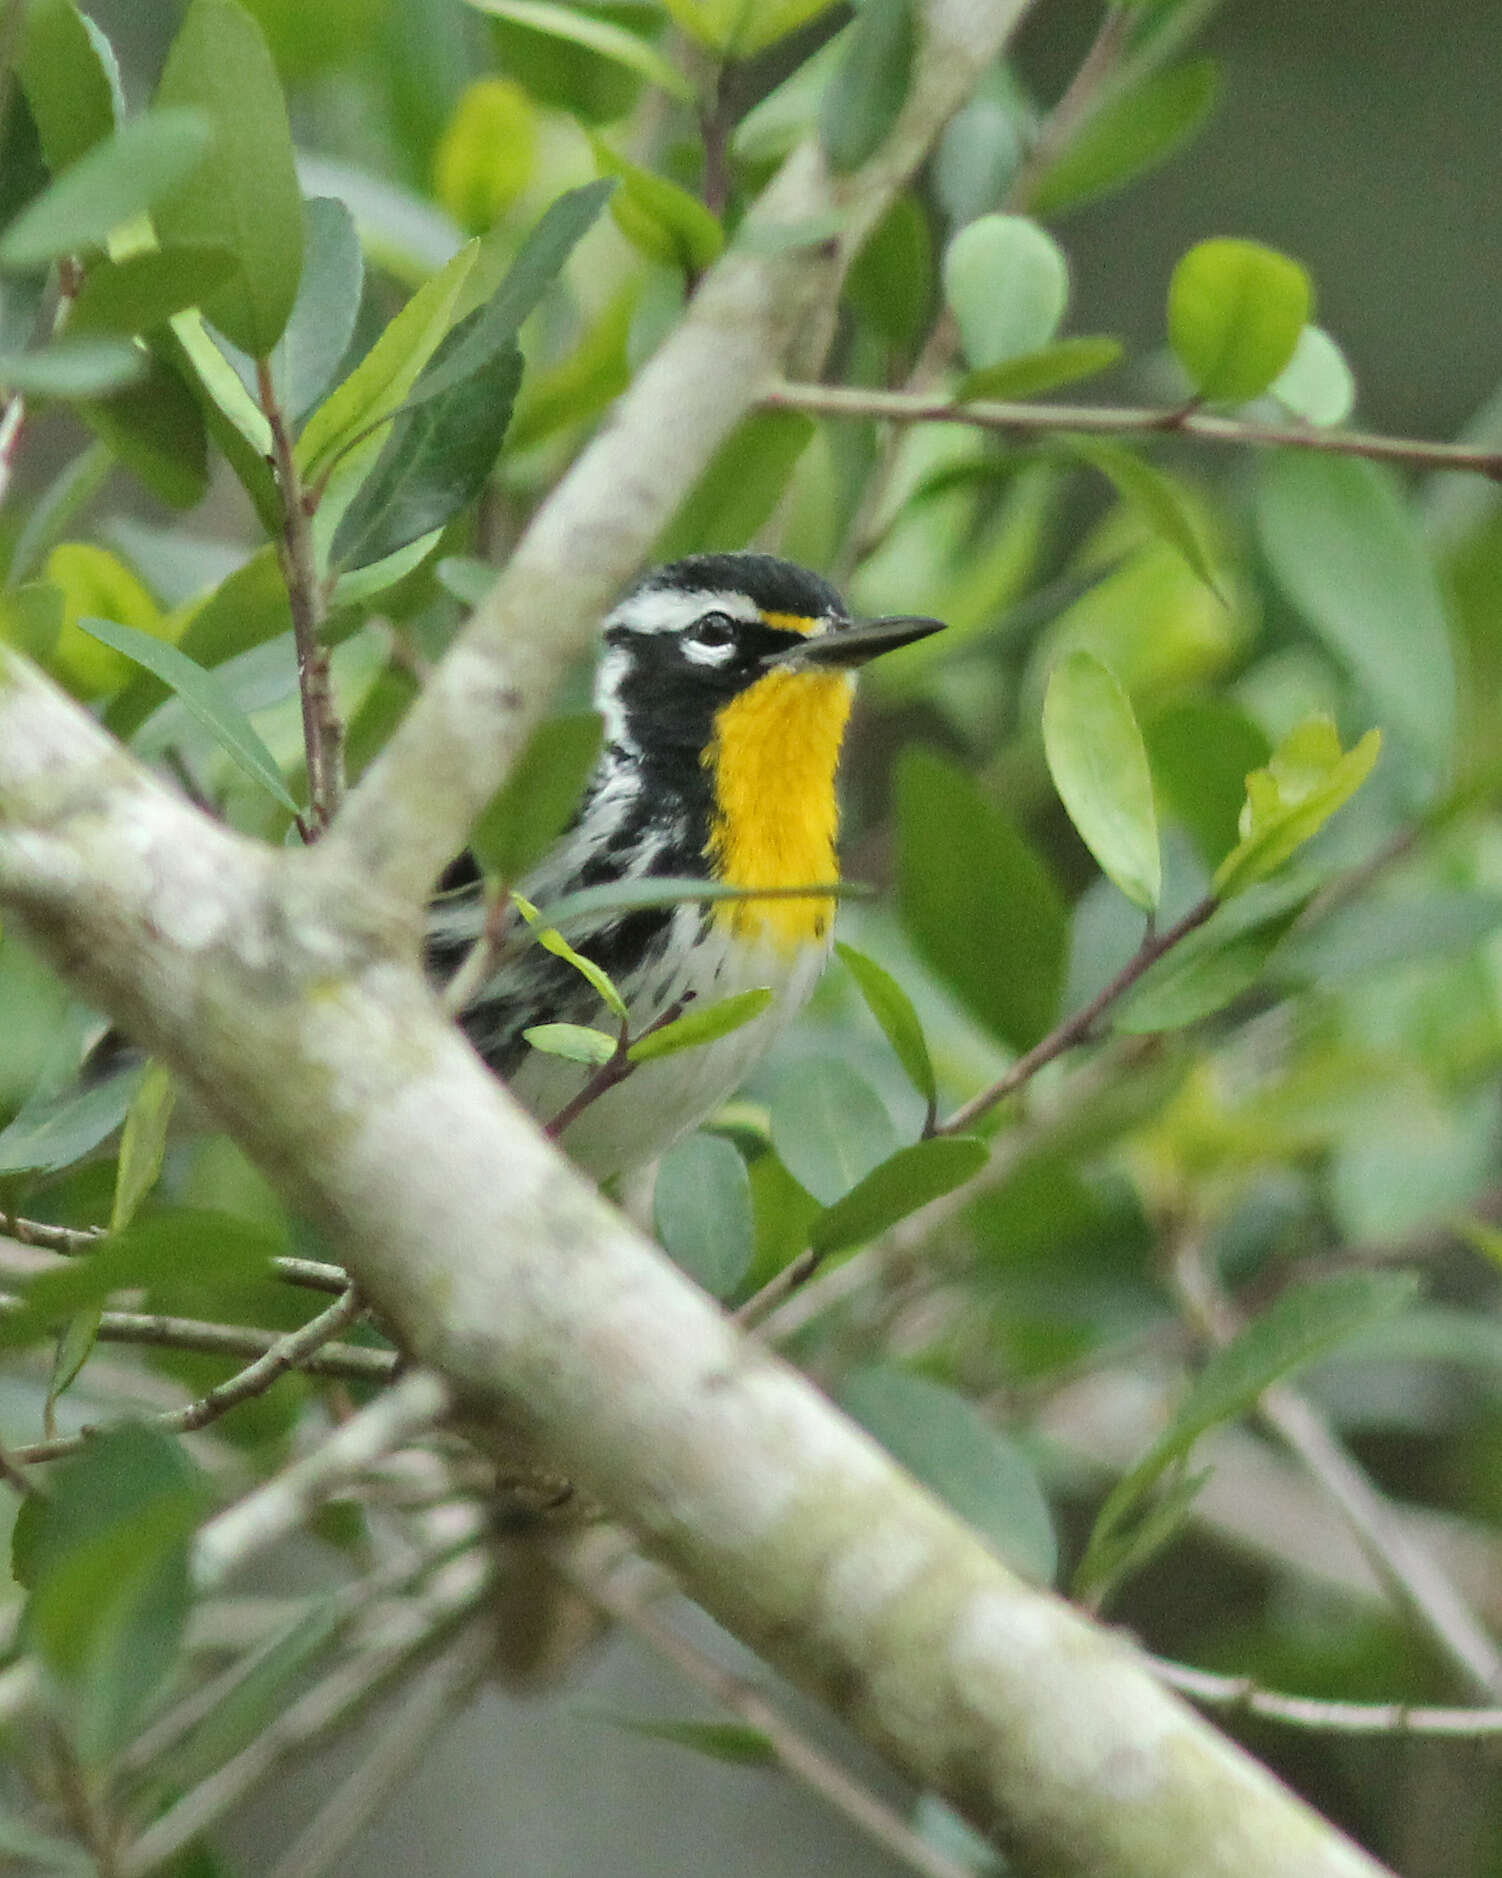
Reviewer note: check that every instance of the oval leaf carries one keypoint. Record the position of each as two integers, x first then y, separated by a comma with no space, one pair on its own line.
893,1009
599,35
870,84
1316,384
702,1208
1128,136
145,290
71,83
73,368
1235,312
1007,283
905,1181
702,1026
830,1128
576,1043
1059,363
1099,766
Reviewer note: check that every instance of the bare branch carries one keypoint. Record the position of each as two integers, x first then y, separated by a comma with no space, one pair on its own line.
1241,1695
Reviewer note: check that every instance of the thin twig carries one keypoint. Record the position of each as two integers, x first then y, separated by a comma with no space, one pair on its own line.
286,1354
611,1073
1241,1695
408,1409
1076,105
906,407
311,1274
323,729
479,964
793,1753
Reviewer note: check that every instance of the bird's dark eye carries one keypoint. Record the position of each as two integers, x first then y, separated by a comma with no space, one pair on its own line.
715,629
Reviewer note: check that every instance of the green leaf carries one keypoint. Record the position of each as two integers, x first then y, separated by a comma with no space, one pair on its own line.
1378,935
733,1742
379,384
704,1024
109,1588
322,321
37,1852
1099,766
434,463
553,941
487,155
538,264
977,901
1059,363
73,368
145,290
905,1181
742,28
203,696
144,161
157,430
1007,283
583,382
869,86
535,803
665,222
1128,136
1316,384
893,1009
1235,312
52,1133
245,196
1306,780
1304,1323
165,1249
1344,546
890,282
68,75
734,498
143,1144
31,618
1156,496
230,414
944,1442
830,1128
599,35
631,896
1217,963
576,1043
702,1208
1201,750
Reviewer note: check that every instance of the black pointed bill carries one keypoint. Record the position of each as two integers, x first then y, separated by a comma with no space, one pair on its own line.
848,646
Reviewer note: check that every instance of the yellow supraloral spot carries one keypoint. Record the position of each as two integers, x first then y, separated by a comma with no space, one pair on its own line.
772,766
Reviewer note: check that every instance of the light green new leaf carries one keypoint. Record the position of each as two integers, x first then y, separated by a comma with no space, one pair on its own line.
1235,312
599,35
576,1043
869,86
830,1128
943,1440
131,172
1006,281
665,222
742,28
1317,383
1306,780
533,805
702,1026
1128,136
701,1206
245,196
1099,766
1059,363
203,696
905,1181
553,941
1304,1323
893,1009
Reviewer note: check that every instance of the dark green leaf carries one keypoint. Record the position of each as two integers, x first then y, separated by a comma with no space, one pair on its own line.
143,1144
1373,935
869,86
69,81
1202,750
245,196
144,290
978,902
1235,312
1128,136
1099,766
73,368
599,35
943,1441
1217,963
702,1208
1007,283
322,321
1304,1323
1345,548
575,1043
55,1133
830,1128
893,1009
534,804
908,1179
435,462
168,1247
156,428
144,161
203,696
734,1742
1059,363
108,1568
743,484
702,1025
890,283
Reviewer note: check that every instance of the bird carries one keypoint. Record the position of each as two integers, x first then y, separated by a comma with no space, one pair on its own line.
724,688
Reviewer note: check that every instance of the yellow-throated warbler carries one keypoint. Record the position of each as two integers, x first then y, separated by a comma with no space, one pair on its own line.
725,686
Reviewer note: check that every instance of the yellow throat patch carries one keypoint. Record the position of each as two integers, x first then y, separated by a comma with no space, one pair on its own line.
772,766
